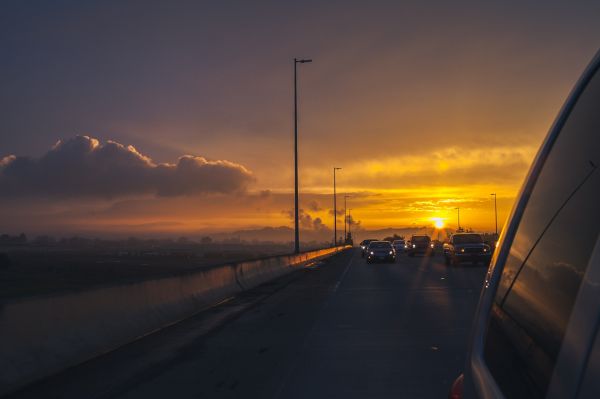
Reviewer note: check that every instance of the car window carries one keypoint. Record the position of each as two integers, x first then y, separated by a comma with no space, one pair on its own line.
380,245
467,239
548,257
420,238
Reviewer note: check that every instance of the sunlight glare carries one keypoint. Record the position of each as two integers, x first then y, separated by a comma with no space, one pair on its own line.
438,223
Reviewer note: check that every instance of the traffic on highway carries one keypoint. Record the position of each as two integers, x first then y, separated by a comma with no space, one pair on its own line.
339,328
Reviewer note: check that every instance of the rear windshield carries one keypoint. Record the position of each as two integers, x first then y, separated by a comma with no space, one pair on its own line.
380,244
468,239
420,239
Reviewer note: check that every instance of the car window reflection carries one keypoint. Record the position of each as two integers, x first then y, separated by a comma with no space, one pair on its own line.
548,256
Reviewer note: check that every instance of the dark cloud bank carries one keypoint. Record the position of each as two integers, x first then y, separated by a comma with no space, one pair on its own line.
83,167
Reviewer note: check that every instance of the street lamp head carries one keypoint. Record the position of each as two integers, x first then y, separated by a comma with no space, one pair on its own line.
337,168
304,61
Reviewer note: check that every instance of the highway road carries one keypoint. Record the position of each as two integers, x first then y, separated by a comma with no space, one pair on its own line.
338,329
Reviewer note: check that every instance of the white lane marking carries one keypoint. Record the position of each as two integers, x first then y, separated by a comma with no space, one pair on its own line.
304,345
337,284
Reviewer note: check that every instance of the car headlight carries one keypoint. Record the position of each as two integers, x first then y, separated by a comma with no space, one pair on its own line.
391,252
406,246
362,246
484,249
431,245
371,253
414,245
462,250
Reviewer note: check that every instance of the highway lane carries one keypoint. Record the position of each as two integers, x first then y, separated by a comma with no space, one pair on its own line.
341,329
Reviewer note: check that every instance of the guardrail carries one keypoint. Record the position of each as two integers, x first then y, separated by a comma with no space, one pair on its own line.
41,336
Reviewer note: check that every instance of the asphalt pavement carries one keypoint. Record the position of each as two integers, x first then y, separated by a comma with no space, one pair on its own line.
341,328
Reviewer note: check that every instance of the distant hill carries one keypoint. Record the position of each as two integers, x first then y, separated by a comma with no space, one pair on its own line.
286,234
401,231
274,234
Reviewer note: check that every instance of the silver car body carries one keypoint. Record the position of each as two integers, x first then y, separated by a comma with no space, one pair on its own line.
575,365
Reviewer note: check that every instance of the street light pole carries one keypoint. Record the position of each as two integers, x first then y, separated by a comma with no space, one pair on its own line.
349,221
345,216
296,225
495,213
458,216
334,210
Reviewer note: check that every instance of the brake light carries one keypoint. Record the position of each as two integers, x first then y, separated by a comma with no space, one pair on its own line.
456,391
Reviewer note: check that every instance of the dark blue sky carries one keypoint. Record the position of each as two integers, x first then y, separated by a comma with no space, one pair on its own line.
191,70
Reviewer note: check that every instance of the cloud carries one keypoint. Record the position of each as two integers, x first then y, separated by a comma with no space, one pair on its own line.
264,193
339,212
6,160
356,224
452,166
314,206
432,205
318,225
306,220
83,167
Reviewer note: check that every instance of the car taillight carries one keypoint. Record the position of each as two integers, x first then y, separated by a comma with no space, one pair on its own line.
456,392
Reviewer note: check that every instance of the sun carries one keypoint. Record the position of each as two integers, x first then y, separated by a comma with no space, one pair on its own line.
438,223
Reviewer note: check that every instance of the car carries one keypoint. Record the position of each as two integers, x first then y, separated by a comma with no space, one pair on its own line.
363,246
380,251
399,246
466,247
536,332
420,244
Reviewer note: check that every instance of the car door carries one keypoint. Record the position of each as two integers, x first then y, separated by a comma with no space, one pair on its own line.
534,281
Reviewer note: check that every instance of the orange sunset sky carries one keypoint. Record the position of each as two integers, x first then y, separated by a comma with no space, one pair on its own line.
426,106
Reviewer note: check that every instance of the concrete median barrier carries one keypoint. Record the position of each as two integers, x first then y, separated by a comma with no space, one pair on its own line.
41,336
251,274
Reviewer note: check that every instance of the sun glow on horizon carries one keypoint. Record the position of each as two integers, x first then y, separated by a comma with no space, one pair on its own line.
438,223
